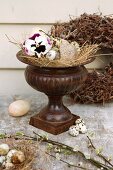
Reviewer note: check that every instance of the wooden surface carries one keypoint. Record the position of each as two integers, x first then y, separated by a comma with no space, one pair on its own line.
98,118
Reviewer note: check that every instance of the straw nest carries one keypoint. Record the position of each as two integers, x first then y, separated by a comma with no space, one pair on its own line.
28,147
85,56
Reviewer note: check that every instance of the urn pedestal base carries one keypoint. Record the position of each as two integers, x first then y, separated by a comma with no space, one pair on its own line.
55,118
52,127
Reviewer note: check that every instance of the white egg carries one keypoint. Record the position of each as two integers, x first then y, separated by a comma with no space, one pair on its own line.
52,54
82,128
2,159
73,131
19,108
4,149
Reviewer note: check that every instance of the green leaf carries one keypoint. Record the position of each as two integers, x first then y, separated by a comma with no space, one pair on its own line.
76,148
57,156
66,152
19,134
87,156
64,146
91,134
98,150
71,163
110,158
49,146
2,135
45,137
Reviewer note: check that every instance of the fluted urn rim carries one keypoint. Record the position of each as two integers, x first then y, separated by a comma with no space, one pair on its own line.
27,60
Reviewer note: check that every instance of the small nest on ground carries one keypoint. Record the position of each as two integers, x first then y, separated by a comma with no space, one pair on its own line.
27,147
88,28
98,88
86,55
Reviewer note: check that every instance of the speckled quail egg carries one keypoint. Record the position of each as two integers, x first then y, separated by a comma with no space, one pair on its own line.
4,149
82,128
79,121
73,130
52,54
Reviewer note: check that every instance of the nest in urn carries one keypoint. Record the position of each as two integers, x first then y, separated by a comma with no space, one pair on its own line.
43,50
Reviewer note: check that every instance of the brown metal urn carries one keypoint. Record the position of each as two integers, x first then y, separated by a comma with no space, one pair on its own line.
55,118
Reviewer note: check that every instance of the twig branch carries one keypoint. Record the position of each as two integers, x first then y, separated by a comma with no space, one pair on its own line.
15,43
91,160
100,155
69,164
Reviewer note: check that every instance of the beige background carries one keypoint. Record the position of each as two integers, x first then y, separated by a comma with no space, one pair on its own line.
18,17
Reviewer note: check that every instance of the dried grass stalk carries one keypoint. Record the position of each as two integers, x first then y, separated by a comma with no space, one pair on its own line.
86,55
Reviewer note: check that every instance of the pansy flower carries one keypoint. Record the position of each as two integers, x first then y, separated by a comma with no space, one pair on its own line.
38,44
29,47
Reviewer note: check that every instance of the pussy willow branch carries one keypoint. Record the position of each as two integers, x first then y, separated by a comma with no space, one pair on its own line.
69,164
91,160
61,145
99,154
